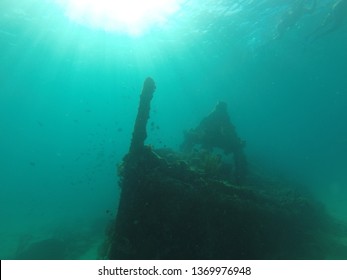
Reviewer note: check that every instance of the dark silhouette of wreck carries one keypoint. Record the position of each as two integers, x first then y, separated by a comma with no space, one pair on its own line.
185,206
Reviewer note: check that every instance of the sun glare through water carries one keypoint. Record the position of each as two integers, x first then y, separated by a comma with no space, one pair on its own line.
133,17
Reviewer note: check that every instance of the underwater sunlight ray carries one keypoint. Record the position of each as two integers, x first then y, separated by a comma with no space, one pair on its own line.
132,17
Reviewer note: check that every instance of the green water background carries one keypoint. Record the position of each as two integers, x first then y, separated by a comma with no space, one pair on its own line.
69,95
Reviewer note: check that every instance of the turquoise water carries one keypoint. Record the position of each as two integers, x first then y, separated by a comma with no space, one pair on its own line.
69,96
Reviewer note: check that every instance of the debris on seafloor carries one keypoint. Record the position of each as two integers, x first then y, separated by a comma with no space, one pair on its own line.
189,205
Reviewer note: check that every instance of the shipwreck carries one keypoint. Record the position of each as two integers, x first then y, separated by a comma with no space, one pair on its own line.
190,204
